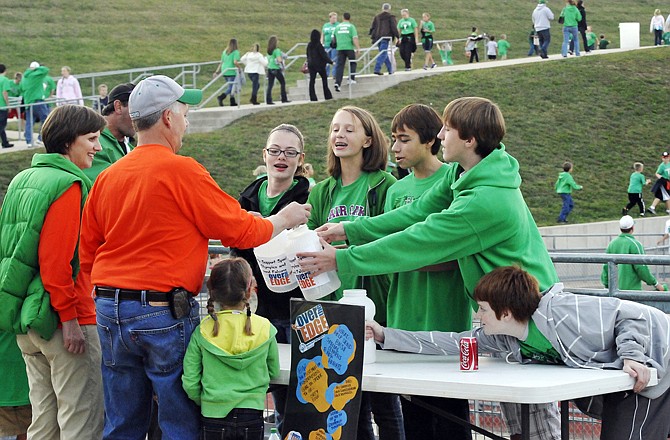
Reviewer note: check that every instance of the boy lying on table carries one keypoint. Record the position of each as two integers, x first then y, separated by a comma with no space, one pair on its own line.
563,328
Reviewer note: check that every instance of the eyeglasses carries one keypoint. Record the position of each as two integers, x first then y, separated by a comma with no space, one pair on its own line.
287,153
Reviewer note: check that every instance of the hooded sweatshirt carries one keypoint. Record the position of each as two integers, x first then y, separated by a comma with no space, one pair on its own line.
542,16
32,88
478,217
587,331
230,370
630,275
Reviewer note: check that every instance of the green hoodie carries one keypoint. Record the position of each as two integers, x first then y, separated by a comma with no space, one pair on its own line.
571,16
230,370
32,84
566,183
478,218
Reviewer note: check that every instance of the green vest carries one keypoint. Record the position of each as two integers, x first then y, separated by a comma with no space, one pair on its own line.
24,304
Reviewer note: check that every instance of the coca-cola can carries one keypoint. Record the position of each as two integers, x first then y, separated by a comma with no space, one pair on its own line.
469,354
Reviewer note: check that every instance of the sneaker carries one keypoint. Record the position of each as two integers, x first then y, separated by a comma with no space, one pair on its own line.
408,69
642,214
379,73
352,81
425,67
651,210
433,65
8,146
29,145
39,143
337,87
667,211
624,211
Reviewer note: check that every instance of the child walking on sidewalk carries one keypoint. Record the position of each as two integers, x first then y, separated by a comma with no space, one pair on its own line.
564,186
637,182
231,357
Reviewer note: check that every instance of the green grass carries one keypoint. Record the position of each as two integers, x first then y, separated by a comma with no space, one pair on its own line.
602,113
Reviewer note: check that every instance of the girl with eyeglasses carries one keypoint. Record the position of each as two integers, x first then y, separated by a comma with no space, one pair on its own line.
357,186
283,156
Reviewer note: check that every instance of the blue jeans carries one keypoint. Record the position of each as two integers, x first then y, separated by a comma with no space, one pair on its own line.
545,38
143,349
239,424
332,54
567,206
345,57
40,110
383,58
255,85
567,31
387,414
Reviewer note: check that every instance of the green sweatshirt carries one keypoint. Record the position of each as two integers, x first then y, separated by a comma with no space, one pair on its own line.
230,370
425,299
322,199
571,16
636,183
630,275
478,218
566,183
32,84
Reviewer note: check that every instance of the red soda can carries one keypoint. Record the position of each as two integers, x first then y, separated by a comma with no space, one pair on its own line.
469,354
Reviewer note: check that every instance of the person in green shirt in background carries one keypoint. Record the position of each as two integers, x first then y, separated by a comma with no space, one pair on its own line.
427,31
630,275
327,31
33,92
590,39
230,62
603,42
661,186
5,87
564,186
275,70
346,38
409,35
636,182
503,46
432,297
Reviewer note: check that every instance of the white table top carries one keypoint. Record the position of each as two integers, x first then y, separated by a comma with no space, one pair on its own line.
426,375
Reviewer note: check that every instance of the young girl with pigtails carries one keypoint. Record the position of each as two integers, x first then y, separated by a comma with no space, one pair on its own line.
231,357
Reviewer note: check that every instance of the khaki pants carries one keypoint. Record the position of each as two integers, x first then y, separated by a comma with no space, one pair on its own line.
65,388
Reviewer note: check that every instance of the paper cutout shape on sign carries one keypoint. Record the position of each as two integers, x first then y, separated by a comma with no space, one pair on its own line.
314,387
338,348
339,394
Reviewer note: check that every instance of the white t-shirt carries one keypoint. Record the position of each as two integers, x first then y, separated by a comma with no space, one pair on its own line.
491,48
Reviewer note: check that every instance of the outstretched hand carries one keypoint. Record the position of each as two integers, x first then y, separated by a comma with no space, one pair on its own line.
332,232
375,331
318,262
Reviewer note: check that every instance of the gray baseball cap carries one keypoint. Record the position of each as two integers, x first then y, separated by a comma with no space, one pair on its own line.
158,92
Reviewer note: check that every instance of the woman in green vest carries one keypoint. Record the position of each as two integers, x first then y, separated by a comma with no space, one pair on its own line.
44,300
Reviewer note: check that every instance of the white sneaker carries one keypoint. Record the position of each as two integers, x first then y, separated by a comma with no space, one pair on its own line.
39,143
29,145
352,81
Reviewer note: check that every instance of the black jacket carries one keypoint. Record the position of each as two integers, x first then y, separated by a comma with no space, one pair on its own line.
271,305
317,58
383,25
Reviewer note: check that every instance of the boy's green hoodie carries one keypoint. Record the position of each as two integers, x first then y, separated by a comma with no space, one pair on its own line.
31,85
478,218
230,370
566,183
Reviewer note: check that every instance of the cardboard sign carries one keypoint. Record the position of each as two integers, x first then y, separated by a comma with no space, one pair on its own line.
324,394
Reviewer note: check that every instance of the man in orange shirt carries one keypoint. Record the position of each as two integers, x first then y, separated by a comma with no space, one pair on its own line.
144,238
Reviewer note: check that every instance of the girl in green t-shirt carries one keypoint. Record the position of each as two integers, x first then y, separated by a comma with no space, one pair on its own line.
357,186
230,61
427,31
275,70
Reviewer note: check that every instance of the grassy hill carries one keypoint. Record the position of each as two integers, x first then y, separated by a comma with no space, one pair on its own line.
602,113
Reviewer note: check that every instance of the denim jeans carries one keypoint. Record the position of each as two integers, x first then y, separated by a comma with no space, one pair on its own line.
40,111
567,31
255,85
567,206
229,84
332,54
383,58
239,424
387,414
345,57
143,350
272,74
545,39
